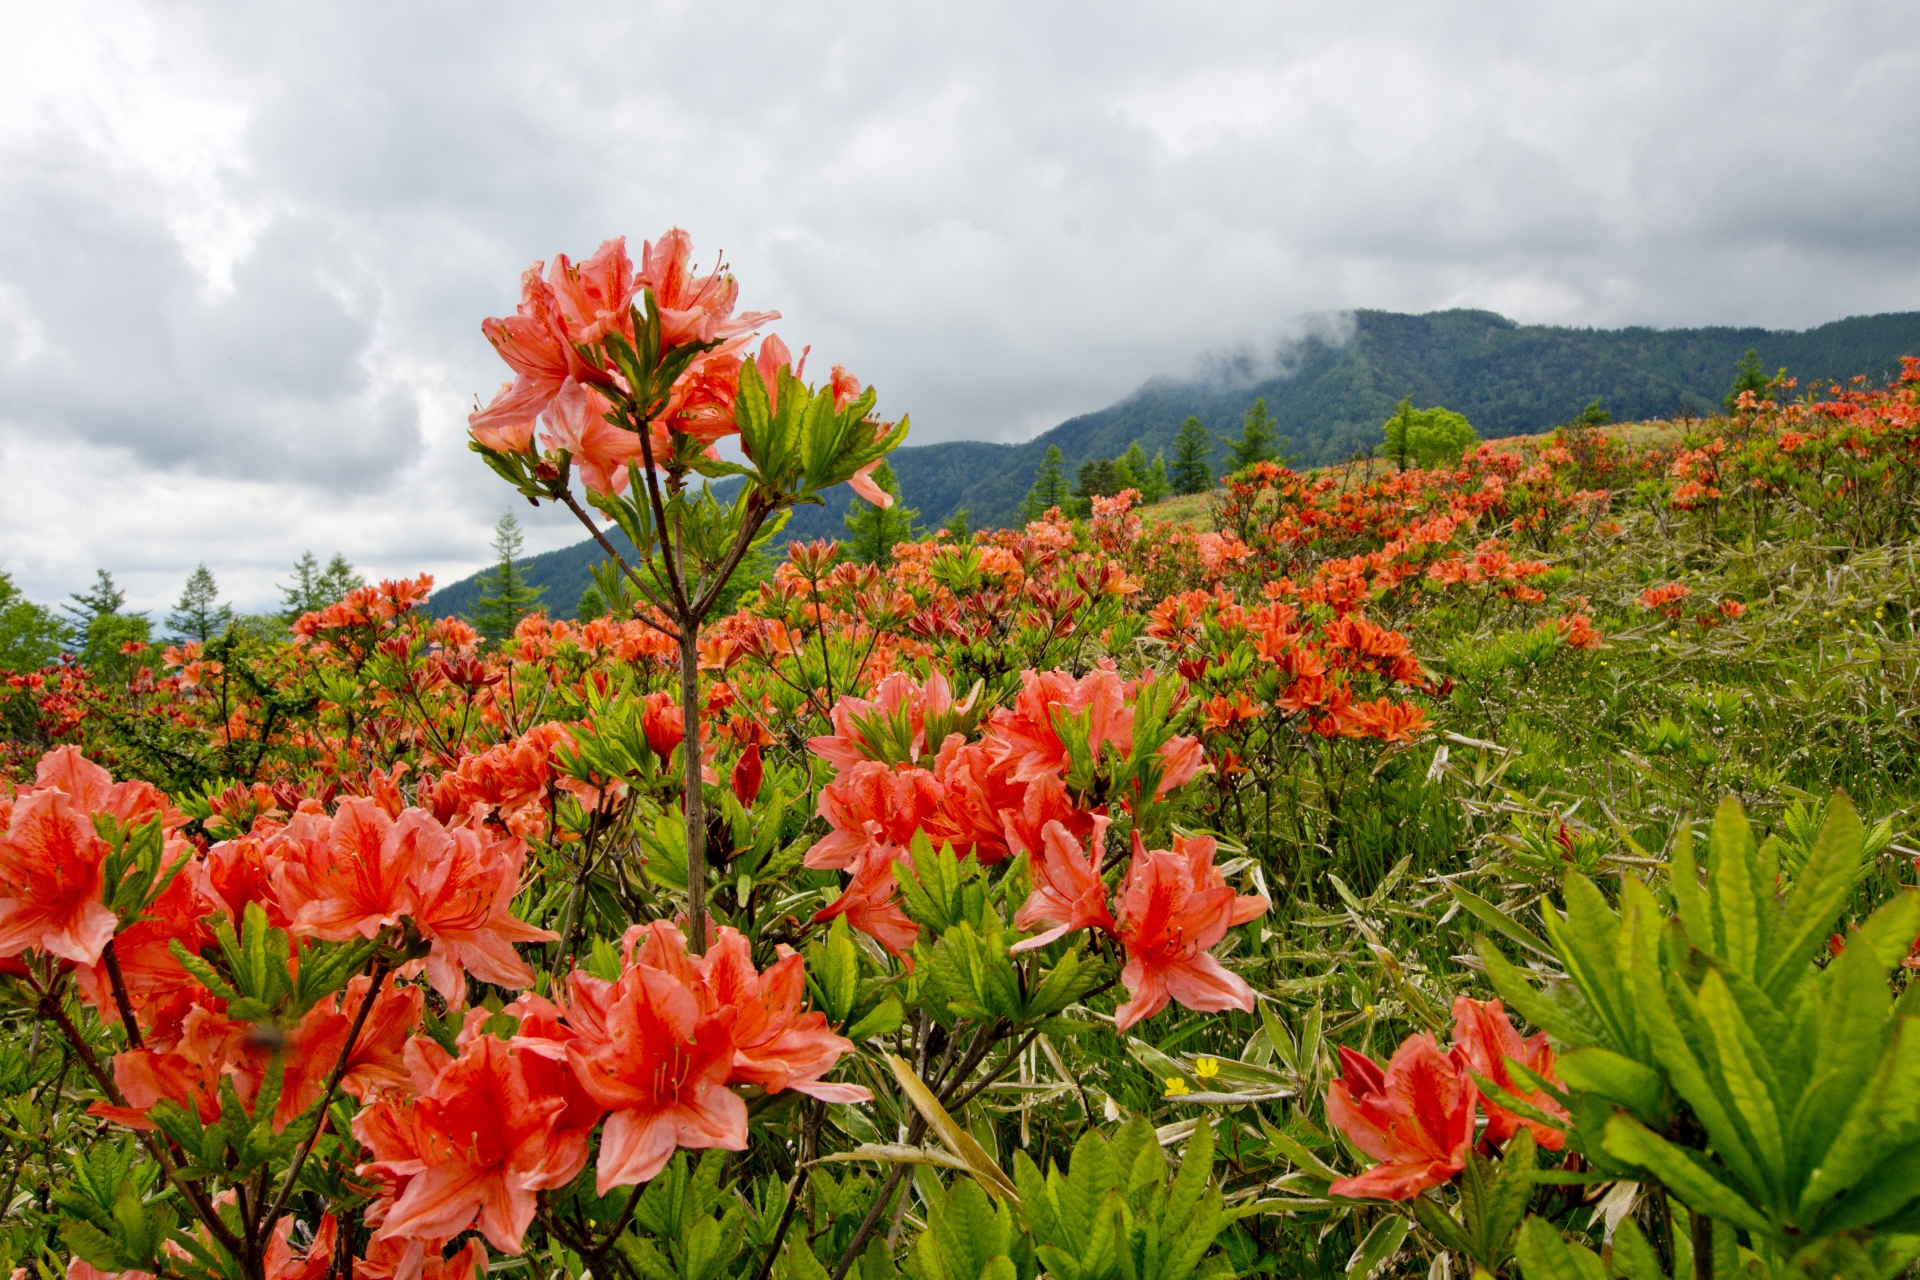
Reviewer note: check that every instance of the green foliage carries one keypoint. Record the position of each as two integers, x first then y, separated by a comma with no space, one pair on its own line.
1118,1212
1192,470
1425,438
872,531
1707,1052
1748,375
1259,440
505,595
1049,489
31,636
107,636
592,604
314,587
198,614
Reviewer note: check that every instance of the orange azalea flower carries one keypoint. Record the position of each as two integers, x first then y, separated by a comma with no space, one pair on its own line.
775,1044
1482,1033
1028,738
472,1150
664,723
693,308
898,695
1388,720
871,904
595,298
462,888
1174,906
347,874
51,878
1416,1118
534,343
660,1063
1068,893
576,421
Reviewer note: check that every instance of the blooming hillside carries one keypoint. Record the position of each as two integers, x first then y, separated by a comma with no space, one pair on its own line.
1496,867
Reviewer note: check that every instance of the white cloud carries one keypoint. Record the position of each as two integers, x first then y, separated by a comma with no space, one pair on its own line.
247,246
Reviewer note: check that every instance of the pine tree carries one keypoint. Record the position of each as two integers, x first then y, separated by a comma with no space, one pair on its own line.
958,526
199,615
872,531
592,605
505,594
315,588
1192,452
1256,442
338,579
1098,478
1154,485
1133,467
1049,487
1748,375
105,599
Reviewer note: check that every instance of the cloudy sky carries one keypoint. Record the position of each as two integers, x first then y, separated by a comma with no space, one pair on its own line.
245,248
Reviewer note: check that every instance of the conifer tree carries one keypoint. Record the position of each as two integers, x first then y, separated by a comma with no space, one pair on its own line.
1049,487
1192,452
338,579
314,587
198,614
959,527
1099,478
1257,442
1154,485
592,605
105,598
872,531
505,594
1132,466
1748,375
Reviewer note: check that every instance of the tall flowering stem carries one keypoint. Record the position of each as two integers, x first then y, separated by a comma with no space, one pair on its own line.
636,397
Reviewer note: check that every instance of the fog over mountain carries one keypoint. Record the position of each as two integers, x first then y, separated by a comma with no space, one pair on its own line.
247,247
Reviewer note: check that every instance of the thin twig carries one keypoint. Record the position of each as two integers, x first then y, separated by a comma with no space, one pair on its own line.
334,1077
120,996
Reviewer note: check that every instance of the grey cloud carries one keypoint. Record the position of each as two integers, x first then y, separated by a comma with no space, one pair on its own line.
1001,214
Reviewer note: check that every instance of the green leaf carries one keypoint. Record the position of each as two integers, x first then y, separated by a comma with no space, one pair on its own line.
1196,1163
1824,887
1671,1049
1091,1174
1683,876
883,1019
1500,921
1633,1256
1619,1079
1739,892
1850,1034
1889,932
1545,1255
1886,1111
1377,1248
1587,941
1628,1140
1566,1022
1747,1078
838,971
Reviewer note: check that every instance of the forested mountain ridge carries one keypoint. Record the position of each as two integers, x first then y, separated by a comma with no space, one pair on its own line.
1329,392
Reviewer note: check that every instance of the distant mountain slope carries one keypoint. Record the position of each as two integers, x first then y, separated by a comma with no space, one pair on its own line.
1331,391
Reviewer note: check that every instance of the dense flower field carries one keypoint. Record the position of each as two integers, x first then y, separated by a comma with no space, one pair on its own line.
906,917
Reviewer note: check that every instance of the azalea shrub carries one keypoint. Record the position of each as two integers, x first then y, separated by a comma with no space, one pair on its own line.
1303,880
